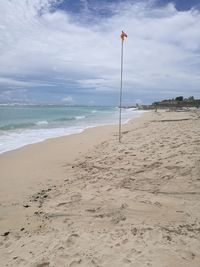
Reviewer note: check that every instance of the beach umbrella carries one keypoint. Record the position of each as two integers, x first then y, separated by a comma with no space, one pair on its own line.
123,36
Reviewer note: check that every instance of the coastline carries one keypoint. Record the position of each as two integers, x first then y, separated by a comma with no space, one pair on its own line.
56,150
134,202
68,120
37,165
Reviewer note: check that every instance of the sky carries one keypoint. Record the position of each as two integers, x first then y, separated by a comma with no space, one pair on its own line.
68,51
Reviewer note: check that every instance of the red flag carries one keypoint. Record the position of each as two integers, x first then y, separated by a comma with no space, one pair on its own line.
123,34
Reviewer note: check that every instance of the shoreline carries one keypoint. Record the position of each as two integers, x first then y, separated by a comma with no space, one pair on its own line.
71,134
31,168
72,139
87,199
66,132
45,160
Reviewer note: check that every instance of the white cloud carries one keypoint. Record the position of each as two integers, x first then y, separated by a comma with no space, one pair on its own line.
162,51
68,100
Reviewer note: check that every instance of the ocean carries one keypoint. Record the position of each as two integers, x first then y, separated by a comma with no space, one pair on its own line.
23,125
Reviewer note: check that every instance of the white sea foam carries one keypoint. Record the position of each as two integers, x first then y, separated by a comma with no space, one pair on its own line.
42,123
17,139
10,140
80,117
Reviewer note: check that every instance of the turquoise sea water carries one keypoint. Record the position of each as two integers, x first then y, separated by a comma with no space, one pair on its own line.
22,125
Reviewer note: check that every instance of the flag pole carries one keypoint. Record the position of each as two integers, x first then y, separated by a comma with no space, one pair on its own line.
120,95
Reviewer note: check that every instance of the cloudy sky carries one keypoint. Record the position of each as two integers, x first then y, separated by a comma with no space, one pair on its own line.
68,51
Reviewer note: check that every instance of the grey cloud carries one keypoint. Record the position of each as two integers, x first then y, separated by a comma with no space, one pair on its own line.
162,51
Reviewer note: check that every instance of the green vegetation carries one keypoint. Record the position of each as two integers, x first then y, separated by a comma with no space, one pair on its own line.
178,102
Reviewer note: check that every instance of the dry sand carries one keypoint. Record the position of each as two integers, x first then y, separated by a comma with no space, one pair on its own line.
87,200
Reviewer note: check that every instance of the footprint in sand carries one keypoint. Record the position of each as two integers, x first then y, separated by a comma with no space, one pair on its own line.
187,255
75,263
71,240
75,198
127,261
43,264
157,204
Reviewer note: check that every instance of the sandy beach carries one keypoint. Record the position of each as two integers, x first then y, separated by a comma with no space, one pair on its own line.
88,200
